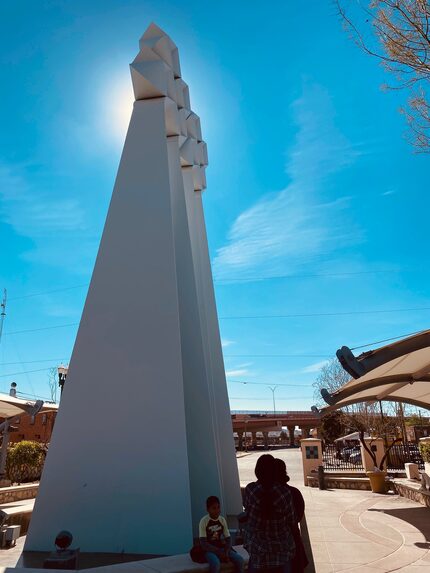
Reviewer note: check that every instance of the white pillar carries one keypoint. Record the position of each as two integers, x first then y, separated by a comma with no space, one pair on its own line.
144,433
212,343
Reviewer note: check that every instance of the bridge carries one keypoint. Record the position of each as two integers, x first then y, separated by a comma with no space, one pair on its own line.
252,421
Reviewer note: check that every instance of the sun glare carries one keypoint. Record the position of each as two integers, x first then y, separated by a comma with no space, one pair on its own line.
118,108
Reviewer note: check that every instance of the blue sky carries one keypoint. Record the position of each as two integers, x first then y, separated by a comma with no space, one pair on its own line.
315,204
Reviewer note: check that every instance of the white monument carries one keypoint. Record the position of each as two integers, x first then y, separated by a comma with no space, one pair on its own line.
144,433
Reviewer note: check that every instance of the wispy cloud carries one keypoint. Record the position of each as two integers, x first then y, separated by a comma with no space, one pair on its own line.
316,367
35,214
282,228
53,223
389,192
238,372
225,343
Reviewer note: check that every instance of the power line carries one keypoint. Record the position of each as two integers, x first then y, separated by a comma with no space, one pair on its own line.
386,340
241,279
265,399
310,275
42,328
49,291
278,355
314,314
266,384
31,361
19,373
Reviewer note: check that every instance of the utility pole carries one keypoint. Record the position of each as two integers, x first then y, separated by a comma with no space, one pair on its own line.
402,423
2,311
273,388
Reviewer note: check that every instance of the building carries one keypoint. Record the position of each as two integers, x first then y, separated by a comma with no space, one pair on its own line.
35,428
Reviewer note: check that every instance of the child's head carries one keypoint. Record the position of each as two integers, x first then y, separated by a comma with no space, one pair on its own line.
213,506
281,475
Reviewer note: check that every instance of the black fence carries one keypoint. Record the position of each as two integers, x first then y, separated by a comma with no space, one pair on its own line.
348,459
337,459
401,454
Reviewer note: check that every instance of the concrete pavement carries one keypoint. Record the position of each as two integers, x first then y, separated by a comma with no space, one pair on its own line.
345,530
356,531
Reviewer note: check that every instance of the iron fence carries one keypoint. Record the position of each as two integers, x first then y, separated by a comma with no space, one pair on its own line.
401,454
338,459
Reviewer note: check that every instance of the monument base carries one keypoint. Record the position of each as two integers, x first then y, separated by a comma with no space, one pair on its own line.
36,559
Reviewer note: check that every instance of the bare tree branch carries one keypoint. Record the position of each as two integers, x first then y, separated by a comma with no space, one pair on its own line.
401,28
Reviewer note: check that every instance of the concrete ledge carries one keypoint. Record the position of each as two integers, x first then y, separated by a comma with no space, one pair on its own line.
340,482
18,513
411,490
171,564
18,492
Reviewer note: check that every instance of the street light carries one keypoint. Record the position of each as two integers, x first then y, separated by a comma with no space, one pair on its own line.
273,388
62,375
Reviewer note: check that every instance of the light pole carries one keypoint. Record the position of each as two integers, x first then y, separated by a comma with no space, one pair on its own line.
246,427
273,388
62,375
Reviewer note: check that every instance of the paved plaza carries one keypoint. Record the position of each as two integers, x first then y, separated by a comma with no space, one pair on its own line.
357,531
354,531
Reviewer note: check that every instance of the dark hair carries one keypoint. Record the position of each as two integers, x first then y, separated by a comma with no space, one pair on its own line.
281,475
265,473
265,469
211,500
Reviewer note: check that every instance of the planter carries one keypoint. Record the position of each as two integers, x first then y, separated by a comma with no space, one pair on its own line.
377,481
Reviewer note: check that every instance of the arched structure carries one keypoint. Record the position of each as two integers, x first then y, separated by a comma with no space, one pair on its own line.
397,372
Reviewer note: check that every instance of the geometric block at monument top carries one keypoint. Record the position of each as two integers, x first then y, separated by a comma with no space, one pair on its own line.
311,452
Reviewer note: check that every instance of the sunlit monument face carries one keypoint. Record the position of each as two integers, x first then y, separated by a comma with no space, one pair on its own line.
144,434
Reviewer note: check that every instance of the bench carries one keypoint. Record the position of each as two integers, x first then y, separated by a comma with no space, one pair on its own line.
171,564
17,513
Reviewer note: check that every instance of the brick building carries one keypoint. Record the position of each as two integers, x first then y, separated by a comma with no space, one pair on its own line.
36,428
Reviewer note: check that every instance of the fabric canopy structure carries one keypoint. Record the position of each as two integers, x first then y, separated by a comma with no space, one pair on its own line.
353,436
11,406
398,372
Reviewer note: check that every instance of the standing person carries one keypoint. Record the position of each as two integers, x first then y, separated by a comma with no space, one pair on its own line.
300,560
215,538
270,517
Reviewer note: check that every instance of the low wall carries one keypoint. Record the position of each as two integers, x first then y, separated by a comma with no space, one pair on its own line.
341,482
411,490
18,492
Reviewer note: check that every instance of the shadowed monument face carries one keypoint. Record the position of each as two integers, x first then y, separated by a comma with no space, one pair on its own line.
143,436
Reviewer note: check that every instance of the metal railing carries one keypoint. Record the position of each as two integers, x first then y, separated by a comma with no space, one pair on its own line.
401,454
337,459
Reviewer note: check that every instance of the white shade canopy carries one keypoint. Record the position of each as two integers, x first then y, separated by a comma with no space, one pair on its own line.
10,406
398,372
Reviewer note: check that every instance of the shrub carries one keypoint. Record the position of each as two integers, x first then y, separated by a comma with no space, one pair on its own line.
425,451
25,461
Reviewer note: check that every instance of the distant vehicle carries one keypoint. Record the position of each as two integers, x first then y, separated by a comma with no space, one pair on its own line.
355,458
346,453
407,453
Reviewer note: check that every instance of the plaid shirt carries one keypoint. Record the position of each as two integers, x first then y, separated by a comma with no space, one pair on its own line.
269,542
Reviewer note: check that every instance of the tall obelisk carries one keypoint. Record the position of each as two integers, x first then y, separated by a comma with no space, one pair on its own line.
144,433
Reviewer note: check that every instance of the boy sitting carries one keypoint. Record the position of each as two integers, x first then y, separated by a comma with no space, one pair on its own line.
215,539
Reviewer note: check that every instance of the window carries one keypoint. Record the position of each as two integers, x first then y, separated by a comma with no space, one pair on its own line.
17,420
32,420
37,436
44,419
